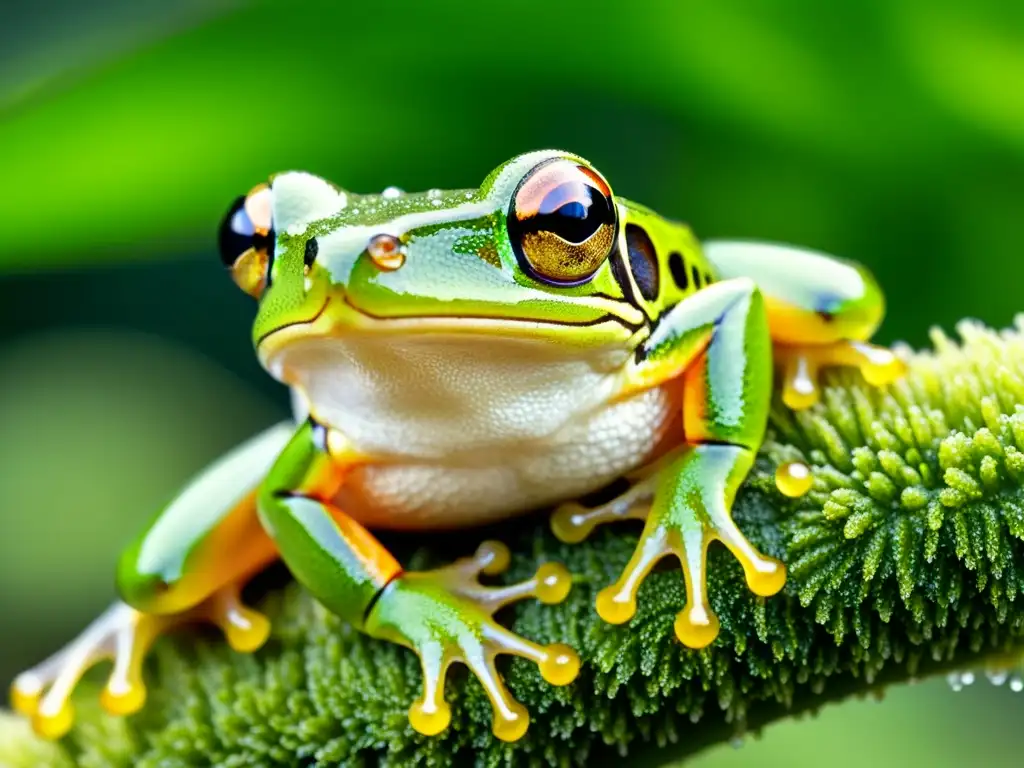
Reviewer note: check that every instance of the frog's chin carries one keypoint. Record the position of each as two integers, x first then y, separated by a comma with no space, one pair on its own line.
448,391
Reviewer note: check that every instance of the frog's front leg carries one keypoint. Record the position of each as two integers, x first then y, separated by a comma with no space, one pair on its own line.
715,345
443,615
821,312
188,566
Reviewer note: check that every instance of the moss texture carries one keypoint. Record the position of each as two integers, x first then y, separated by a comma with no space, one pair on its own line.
905,559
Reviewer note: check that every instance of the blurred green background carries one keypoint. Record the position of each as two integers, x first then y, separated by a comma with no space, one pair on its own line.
892,133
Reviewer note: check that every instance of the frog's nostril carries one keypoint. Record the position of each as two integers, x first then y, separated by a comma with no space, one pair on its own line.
386,252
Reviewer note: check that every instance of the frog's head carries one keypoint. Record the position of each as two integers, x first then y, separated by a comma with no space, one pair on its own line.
535,252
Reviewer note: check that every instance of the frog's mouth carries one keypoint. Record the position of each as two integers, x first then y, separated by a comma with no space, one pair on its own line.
338,317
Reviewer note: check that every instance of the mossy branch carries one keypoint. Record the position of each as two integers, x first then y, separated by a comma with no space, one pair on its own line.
906,559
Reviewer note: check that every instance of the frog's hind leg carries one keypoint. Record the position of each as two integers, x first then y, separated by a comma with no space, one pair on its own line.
188,567
444,615
716,345
821,313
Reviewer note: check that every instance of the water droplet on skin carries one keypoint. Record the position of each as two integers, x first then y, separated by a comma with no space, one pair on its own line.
391,193
432,193
469,195
386,252
736,742
793,479
435,202
1016,684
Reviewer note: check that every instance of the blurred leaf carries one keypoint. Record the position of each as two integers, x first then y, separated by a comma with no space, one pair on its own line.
45,44
138,158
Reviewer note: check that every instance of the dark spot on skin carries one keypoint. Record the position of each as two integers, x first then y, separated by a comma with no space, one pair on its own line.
708,279
677,267
312,248
489,253
696,277
643,261
827,317
621,275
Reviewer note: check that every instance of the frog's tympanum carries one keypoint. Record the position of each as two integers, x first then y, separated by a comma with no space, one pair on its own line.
465,356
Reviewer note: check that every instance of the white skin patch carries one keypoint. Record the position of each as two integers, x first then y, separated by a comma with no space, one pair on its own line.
301,198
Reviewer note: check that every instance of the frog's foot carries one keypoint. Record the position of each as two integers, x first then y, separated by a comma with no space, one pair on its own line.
572,522
124,635
445,616
687,513
800,366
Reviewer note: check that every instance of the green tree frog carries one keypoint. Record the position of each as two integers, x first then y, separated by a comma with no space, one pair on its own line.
460,357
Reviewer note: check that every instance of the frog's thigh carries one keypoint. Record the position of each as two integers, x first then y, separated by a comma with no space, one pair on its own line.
209,538
821,312
717,344
189,565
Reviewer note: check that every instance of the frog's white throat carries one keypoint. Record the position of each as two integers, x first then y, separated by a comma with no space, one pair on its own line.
432,396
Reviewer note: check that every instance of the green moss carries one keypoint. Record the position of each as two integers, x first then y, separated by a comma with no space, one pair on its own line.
906,559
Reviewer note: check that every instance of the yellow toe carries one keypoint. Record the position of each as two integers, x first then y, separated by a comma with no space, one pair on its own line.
614,606
561,666
25,695
553,583
430,718
568,525
495,557
511,727
54,725
124,699
696,627
767,578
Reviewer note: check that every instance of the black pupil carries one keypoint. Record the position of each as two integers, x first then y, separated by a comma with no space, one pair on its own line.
238,234
574,211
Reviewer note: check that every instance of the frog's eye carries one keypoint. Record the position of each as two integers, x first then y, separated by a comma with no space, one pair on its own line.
247,240
562,222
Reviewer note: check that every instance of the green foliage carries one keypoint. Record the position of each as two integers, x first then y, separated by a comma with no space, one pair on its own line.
905,559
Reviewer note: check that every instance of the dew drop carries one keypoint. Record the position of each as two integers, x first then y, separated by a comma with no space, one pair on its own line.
793,479
386,252
390,193
997,676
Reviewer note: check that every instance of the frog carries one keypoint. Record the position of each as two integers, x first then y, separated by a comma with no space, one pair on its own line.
457,358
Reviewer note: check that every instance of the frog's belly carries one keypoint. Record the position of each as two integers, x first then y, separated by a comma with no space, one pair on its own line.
585,455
